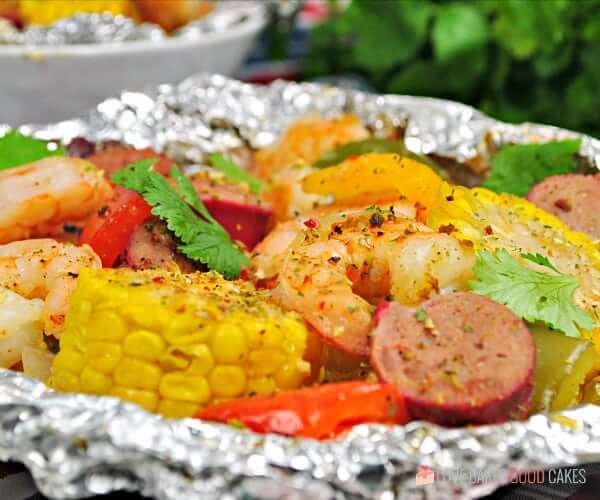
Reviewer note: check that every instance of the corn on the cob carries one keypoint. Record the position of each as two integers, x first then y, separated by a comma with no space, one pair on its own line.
175,343
48,11
491,221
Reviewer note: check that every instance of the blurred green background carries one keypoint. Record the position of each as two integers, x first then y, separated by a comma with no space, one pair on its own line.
518,60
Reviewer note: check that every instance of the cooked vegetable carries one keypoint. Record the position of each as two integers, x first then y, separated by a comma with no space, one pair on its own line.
247,224
573,198
563,365
234,172
44,12
203,238
18,149
108,233
316,412
175,343
532,295
377,178
373,145
458,359
516,168
491,222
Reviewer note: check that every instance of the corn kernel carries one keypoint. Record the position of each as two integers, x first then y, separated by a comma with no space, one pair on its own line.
264,386
183,387
146,399
202,362
181,324
290,376
272,336
94,382
144,344
227,381
69,360
228,344
104,356
157,320
106,325
173,361
194,337
177,409
64,381
265,361
137,374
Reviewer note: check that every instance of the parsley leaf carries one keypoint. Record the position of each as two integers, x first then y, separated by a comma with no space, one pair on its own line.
517,167
202,239
532,295
17,149
234,172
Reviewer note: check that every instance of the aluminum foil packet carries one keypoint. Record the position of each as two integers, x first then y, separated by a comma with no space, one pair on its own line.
79,445
105,28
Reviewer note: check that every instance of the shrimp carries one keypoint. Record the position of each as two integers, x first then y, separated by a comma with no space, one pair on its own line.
268,255
20,324
38,196
332,275
306,140
48,270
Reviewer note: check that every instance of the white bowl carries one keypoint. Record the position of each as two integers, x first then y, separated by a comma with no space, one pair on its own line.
47,84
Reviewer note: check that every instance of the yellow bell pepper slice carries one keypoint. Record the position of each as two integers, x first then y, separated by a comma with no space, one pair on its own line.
377,178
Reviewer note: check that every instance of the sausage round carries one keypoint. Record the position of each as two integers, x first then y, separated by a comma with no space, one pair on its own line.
573,198
458,359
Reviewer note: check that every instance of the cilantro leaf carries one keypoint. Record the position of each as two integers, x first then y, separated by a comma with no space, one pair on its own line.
17,149
189,194
234,172
202,239
134,176
539,259
532,295
517,167
216,250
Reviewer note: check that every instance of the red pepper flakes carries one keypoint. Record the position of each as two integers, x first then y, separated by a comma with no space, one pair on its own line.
563,205
158,279
311,223
488,230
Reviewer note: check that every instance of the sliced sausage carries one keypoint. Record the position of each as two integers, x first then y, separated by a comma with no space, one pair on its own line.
573,198
152,246
116,157
459,359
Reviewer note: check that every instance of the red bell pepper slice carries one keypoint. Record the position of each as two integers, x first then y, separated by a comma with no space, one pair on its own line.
108,233
319,412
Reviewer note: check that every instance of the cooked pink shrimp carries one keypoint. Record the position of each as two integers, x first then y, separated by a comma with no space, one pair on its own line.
306,140
334,273
48,192
48,270
269,254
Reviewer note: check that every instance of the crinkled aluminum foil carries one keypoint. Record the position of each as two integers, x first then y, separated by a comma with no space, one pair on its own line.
106,28
78,445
